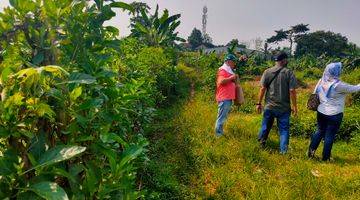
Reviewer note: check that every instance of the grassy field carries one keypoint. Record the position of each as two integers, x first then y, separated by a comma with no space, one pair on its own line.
189,162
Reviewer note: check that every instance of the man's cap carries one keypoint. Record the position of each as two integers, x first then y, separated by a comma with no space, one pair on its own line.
231,57
281,56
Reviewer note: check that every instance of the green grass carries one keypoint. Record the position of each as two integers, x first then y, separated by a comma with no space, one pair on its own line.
189,162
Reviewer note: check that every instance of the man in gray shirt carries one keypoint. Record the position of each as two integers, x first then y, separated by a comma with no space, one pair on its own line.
278,85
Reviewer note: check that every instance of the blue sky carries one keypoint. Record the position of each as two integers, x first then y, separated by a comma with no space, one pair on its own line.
248,19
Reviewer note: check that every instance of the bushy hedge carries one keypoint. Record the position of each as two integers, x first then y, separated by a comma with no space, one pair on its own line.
76,101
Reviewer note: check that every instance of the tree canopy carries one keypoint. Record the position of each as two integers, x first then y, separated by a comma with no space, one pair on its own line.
321,42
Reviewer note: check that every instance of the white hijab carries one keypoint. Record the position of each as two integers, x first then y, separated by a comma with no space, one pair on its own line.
329,79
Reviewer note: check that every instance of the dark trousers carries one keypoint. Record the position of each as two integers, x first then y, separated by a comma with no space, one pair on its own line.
283,123
328,126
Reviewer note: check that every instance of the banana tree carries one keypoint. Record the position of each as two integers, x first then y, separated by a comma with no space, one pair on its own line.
157,31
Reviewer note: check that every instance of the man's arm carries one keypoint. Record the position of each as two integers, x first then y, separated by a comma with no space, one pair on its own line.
260,97
293,101
263,83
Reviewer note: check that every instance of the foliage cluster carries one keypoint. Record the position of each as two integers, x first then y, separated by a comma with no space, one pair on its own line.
76,101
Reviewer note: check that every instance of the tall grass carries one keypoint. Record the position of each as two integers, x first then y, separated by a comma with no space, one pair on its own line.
189,162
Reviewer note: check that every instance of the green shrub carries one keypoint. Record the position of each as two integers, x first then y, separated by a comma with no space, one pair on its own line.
77,128
313,73
304,125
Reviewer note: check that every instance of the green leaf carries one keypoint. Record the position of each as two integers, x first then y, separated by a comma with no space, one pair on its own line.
38,146
25,72
111,137
29,76
92,177
75,93
145,17
38,58
99,3
168,21
26,195
14,100
123,5
4,132
109,153
174,26
8,161
91,103
58,154
13,3
43,109
56,70
84,138
180,39
106,14
131,153
64,173
50,6
23,6
32,159
57,94
140,28
74,171
80,78
5,74
156,15
164,16
49,191
112,29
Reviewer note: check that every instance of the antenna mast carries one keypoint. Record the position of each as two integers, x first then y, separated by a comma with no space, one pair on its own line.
204,20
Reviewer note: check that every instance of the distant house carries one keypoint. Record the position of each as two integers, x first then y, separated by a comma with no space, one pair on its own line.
185,45
188,46
202,47
223,49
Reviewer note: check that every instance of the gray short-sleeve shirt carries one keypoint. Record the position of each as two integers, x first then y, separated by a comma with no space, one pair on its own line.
277,95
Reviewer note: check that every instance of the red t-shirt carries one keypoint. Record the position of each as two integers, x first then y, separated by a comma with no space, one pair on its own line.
224,91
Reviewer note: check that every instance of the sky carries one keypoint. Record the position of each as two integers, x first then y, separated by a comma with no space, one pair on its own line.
248,19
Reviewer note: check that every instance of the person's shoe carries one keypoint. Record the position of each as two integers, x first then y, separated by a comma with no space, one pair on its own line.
311,153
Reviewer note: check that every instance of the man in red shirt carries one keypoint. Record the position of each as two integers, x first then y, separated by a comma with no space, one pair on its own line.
225,91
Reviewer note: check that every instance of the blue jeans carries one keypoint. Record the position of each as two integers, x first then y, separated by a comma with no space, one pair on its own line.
328,126
283,123
224,108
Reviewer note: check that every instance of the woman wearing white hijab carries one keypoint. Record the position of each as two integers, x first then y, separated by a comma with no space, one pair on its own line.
332,92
